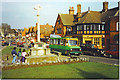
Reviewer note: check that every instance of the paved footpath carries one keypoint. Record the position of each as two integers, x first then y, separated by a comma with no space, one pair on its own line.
102,59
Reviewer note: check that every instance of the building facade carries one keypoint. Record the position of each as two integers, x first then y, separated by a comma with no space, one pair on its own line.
91,27
31,32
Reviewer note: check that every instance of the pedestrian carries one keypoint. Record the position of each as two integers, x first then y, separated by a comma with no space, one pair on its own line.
7,58
23,56
14,53
19,55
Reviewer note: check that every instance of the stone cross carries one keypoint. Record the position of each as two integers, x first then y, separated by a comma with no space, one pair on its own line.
38,21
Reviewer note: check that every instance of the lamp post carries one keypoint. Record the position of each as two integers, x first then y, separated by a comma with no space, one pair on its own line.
38,21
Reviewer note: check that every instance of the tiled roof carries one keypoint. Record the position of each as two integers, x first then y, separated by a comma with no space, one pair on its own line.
90,17
67,19
110,13
44,29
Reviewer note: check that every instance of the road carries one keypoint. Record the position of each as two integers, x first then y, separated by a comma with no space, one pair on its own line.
95,59
102,59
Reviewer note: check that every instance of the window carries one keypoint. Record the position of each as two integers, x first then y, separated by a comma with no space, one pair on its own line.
51,41
102,27
103,41
81,27
90,27
68,29
97,27
96,41
117,26
58,21
72,42
58,41
61,42
87,27
78,27
59,31
94,27
84,27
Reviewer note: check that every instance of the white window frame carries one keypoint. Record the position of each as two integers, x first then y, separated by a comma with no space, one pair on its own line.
84,27
90,27
99,27
103,27
78,27
117,26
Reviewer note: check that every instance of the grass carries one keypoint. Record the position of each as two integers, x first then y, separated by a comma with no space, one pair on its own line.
85,70
7,52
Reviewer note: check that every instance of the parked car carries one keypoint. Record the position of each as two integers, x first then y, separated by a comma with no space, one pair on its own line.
14,43
4,43
91,49
112,53
20,44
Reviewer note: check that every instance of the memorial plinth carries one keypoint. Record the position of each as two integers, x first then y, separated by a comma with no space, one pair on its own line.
39,53
39,49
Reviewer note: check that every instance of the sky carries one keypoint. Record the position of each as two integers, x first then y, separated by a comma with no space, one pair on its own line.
20,13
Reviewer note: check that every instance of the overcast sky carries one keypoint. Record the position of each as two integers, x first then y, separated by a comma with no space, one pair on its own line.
20,14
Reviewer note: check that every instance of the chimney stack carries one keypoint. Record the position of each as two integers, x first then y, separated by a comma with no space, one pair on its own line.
79,9
118,4
105,6
71,10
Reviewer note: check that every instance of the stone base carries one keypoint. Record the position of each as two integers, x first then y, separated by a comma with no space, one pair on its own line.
39,59
40,51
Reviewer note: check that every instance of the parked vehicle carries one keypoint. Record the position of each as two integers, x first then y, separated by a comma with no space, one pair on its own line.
4,43
20,44
91,49
67,46
14,43
112,53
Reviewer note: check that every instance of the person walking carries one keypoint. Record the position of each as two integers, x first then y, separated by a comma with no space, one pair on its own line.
23,56
19,55
14,53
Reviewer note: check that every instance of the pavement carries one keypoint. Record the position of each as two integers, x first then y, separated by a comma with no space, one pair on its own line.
102,59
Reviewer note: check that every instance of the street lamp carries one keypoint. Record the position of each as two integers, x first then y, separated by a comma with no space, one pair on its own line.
38,21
